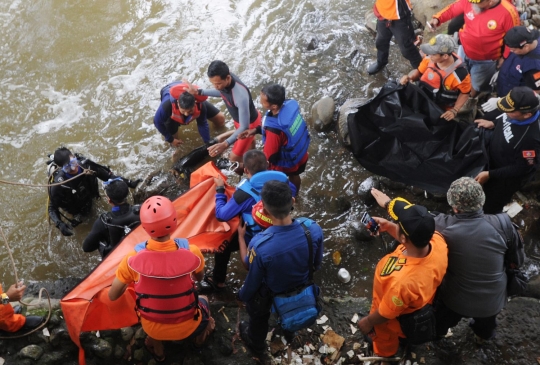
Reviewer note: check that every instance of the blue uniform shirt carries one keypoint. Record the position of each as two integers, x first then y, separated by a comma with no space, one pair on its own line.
279,258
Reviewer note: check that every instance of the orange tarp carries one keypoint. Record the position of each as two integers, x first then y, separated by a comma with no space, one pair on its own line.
88,308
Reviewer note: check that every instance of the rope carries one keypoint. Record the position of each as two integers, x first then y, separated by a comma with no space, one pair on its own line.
20,301
85,172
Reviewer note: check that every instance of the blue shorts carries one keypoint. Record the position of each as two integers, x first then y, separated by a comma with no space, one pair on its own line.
481,71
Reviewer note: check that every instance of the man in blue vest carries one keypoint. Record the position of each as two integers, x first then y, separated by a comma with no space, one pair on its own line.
285,135
521,68
241,203
278,261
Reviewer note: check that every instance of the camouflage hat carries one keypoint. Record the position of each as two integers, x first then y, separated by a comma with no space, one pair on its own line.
440,44
466,195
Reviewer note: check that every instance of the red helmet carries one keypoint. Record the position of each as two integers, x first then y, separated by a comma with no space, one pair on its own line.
158,216
260,217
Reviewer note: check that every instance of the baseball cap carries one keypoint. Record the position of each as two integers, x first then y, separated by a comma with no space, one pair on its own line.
466,195
518,99
441,43
519,36
415,221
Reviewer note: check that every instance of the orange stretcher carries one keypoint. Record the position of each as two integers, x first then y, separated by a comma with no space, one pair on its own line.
88,308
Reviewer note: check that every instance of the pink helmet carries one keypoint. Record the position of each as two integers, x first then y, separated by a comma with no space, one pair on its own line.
158,216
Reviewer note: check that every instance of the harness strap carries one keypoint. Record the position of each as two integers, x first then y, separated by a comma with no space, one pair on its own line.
170,296
188,307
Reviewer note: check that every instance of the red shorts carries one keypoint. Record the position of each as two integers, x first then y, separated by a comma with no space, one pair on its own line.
241,146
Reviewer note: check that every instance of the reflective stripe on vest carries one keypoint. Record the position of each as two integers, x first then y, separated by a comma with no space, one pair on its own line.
289,121
433,81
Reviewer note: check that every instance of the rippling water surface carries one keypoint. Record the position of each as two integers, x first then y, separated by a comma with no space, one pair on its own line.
87,74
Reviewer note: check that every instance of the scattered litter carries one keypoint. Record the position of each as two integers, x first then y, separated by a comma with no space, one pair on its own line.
413,355
408,362
322,320
336,257
350,354
312,347
98,334
2,361
46,332
512,209
269,336
449,333
284,341
356,346
307,359
422,360
333,339
224,315
355,318
353,329
309,330
326,328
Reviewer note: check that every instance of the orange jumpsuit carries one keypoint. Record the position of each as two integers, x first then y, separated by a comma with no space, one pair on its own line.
402,285
9,321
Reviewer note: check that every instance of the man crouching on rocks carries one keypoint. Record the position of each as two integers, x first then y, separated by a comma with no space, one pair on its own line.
163,271
405,280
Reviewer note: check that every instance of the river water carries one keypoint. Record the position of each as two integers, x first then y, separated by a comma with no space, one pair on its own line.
87,75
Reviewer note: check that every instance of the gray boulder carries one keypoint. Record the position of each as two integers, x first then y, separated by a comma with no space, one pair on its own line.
322,113
33,352
349,107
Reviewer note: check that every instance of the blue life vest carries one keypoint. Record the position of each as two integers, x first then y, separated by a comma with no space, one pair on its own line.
289,121
513,68
180,242
253,187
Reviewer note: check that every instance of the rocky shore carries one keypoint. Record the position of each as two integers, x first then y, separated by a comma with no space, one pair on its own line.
333,340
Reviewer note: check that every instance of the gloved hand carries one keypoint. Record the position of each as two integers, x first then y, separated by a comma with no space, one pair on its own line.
133,183
66,229
494,78
490,105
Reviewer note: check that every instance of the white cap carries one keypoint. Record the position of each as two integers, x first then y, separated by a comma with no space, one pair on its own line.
344,275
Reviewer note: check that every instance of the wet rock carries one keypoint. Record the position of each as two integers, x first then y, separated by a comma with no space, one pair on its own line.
118,352
359,231
102,349
127,333
371,21
533,289
322,112
312,43
392,185
533,9
364,190
224,346
57,289
349,107
536,20
54,320
138,354
57,335
32,352
52,358
38,337
140,334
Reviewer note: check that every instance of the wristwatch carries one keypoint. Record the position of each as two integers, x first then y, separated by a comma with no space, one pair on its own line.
5,299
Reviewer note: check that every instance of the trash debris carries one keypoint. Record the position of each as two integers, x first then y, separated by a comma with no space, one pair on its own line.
224,315
354,329
326,328
356,346
333,339
449,333
512,209
344,275
350,354
322,320
422,360
354,319
98,334
413,355
336,257
46,332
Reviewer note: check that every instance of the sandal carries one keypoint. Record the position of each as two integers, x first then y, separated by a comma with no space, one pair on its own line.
208,284
152,352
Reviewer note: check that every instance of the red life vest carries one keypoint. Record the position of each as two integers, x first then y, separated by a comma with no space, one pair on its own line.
433,82
174,93
165,291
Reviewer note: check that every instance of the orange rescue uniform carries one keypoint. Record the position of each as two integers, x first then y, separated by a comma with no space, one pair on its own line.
402,285
388,9
9,321
162,331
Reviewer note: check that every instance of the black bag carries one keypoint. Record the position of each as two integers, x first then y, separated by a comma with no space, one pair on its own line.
419,326
517,281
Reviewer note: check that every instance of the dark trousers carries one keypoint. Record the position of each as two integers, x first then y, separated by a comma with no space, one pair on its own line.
222,260
403,30
259,308
499,192
446,318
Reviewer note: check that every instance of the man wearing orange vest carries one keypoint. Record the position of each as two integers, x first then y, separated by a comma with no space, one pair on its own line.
394,19
164,271
10,319
405,280
178,107
443,75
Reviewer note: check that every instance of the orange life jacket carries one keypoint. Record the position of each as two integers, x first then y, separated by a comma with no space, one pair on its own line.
174,93
165,291
9,321
433,82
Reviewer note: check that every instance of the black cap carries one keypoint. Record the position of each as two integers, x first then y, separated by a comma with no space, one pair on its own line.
520,98
415,221
62,156
519,36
